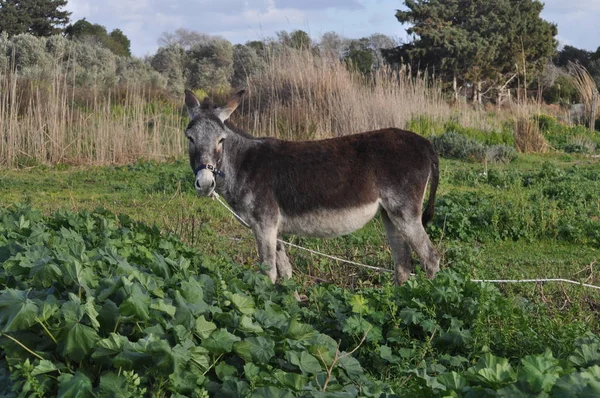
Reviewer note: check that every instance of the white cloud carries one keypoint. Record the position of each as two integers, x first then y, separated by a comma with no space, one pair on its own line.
143,21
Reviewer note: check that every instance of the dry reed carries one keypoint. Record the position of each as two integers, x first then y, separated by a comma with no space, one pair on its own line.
299,95
528,138
41,122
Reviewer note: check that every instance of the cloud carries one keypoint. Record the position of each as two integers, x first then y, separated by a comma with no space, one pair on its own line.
143,21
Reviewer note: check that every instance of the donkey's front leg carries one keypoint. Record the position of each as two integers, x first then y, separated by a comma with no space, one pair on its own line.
266,240
284,268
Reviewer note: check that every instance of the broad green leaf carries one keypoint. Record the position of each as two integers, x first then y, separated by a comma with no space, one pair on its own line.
79,341
74,386
271,392
112,345
359,304
243,303
255,349
251,371
299,331
17,312
453,381
225,371
44,366
350,365
293,381
204,328
247,326
540,372
586,355
385,352
307,363
163,306
136,305
410,316
220,342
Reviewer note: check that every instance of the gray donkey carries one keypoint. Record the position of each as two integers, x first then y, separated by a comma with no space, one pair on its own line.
323,188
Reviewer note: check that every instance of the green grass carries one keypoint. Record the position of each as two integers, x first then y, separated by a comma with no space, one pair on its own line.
491,223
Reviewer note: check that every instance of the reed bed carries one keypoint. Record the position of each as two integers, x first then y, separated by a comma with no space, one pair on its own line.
51,120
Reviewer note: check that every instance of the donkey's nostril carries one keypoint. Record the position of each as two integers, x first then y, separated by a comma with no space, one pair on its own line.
197,184
213,184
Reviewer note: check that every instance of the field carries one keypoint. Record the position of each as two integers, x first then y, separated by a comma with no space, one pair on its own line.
110,269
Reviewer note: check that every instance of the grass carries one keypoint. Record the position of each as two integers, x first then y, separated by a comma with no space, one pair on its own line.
162,194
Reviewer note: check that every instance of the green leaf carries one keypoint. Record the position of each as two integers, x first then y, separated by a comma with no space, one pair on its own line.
220,342
74,386
271,392
243,303
225,371
385,352
359,304
204,328
136,304
410,316
255,349
350,365
44,366
163,306
540,372
299,331
79,341
307,363
453,381
110,346
292,381
17,312
247,326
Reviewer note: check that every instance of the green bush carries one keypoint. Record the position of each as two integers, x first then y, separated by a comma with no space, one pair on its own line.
501,154
456,146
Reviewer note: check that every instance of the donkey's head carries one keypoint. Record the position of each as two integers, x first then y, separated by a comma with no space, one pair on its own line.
206,134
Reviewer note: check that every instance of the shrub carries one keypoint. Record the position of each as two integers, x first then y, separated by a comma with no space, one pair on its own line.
500,154
28,51
168,61
455,146
580,144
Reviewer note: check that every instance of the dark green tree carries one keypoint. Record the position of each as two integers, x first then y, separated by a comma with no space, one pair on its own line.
116,41
476,41
360,55
38,17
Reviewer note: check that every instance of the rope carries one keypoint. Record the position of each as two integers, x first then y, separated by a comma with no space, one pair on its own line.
389,270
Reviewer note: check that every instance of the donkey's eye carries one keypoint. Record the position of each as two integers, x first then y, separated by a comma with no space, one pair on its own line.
221,141
190,139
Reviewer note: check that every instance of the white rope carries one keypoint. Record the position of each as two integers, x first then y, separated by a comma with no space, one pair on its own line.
389,270
534,281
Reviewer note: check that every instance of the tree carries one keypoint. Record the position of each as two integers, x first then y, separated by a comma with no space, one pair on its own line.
209,65
480,42
38,17
360,55
297,39
116,41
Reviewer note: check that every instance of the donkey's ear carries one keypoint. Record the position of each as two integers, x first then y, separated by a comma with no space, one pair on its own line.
191,103
223,112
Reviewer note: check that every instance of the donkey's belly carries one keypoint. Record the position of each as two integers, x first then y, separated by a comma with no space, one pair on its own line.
328,223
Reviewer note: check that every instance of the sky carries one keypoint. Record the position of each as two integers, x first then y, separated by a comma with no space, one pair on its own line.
143,21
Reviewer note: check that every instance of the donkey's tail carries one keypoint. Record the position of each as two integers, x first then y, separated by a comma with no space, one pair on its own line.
435,178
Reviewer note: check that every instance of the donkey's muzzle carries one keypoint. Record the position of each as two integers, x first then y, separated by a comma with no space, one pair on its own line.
205,183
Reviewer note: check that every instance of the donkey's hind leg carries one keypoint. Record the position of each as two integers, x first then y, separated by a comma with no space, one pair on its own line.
403,265
284,268
409,225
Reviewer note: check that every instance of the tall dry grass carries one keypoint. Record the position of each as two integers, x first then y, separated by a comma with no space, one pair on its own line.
47,120
300,95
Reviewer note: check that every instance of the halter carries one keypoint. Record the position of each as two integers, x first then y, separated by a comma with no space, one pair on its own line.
210,168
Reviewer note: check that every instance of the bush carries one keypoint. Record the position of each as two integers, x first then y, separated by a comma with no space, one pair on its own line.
28,51
580,144
500,154
455,146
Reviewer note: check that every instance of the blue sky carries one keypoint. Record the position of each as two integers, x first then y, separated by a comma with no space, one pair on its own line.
143,21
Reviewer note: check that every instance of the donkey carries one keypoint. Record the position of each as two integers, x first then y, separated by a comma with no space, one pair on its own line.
322,188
